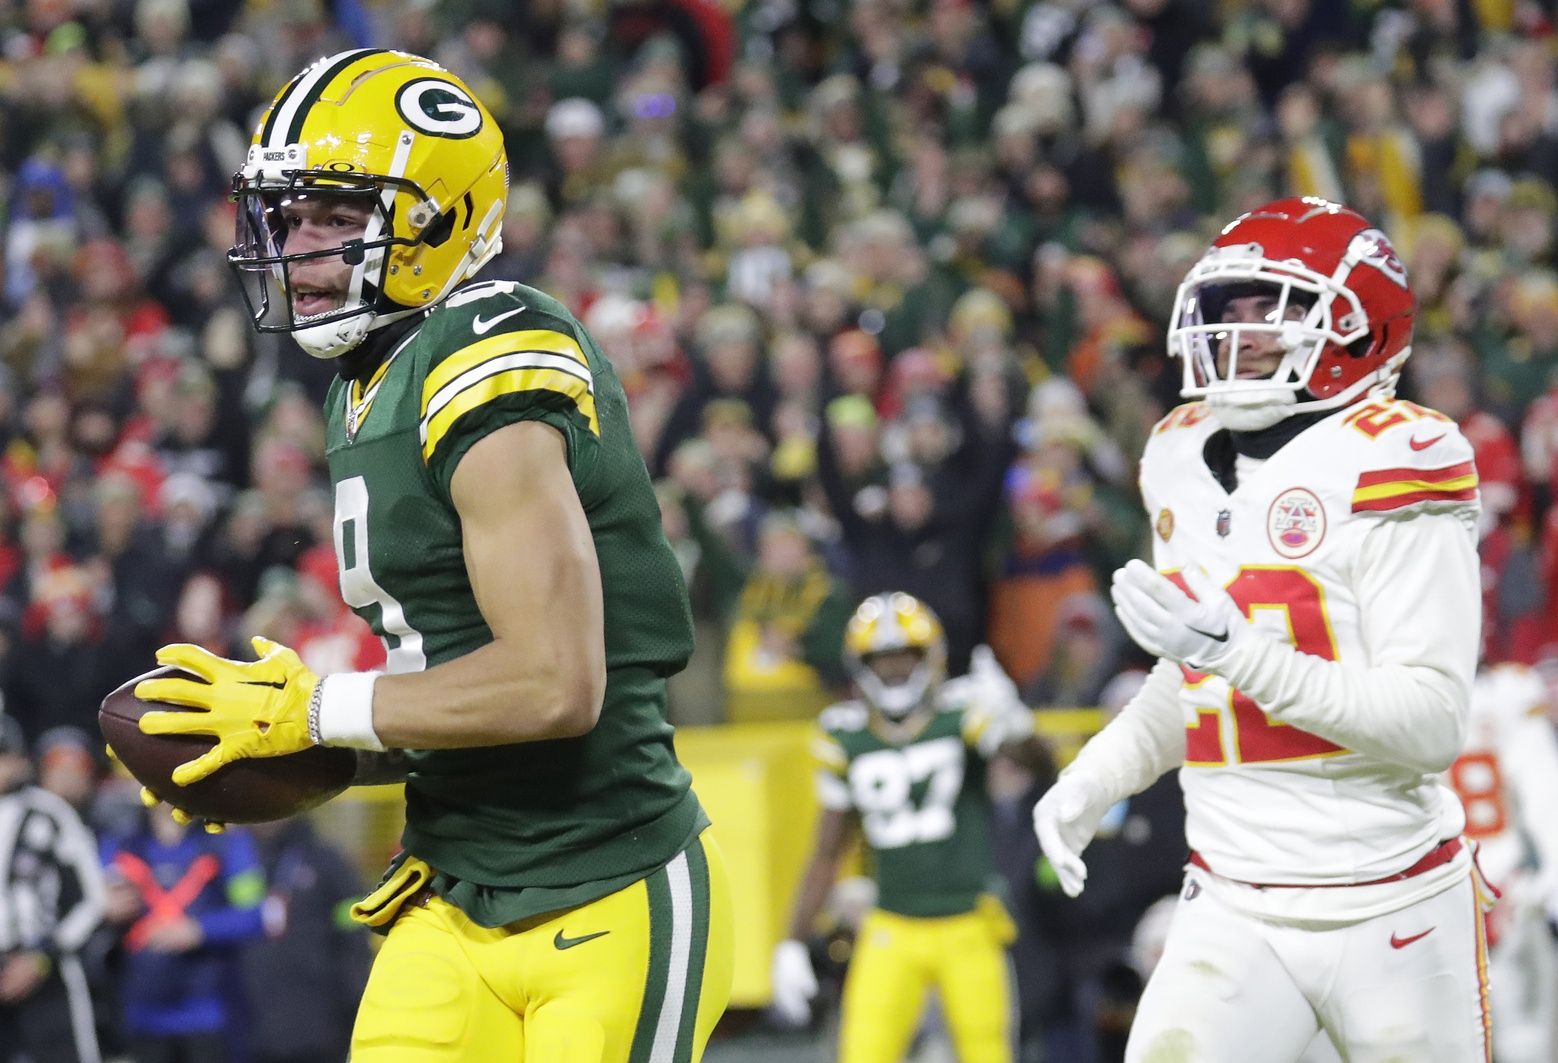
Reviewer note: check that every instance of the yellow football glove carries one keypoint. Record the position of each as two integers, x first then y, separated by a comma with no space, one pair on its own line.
151,800
182,818
253,708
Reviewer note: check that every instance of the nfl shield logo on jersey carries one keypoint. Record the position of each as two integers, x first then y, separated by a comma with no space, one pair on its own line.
1224,523
1295,524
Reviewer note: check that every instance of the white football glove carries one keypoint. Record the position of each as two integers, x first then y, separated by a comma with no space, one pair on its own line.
993,712
794,982
1065,819
1167,622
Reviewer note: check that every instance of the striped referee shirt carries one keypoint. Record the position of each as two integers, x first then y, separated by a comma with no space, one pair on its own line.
51,883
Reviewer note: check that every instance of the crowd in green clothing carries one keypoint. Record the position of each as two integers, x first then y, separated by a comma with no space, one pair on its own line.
941,237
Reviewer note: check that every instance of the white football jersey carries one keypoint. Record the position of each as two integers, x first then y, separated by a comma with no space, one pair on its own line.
1349,544
1507,776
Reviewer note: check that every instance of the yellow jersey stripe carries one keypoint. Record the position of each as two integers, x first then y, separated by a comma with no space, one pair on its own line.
358,389
468,358
1404,487
507,383
360,396
493,367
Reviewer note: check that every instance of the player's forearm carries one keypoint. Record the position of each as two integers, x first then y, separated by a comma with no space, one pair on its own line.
1033,753
810,897
1145,740
1420,597
821,871
1410,715
496,695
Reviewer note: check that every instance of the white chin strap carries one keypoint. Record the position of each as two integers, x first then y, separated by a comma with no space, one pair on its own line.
331,339
1247,409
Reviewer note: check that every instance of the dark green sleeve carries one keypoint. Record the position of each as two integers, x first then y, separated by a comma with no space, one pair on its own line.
724,568
822,646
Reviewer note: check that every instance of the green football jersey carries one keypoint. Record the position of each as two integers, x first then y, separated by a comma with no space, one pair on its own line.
515,830
922,805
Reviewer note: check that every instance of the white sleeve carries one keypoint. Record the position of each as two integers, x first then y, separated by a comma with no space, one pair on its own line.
1419,592
1530,757
1146,738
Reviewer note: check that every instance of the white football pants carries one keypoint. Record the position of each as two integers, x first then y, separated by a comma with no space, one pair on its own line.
1411,985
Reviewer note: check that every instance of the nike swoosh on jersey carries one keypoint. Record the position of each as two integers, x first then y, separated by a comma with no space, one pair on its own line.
481,327
568,943
1401,942
1424,444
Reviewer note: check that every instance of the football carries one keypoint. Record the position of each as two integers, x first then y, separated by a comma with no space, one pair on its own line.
246,791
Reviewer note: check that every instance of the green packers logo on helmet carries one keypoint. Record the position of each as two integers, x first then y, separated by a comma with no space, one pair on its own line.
438,108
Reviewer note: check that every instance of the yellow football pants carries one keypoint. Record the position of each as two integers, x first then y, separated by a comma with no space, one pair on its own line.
896,962
639,976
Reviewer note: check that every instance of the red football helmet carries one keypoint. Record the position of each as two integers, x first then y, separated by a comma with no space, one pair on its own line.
1340,307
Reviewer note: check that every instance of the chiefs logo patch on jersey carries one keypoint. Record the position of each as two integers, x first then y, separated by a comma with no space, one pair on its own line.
1295,523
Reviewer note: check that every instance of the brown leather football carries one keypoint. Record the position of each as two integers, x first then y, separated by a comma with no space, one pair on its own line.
252,790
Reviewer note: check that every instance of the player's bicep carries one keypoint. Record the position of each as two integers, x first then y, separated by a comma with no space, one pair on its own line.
1419,589
529,554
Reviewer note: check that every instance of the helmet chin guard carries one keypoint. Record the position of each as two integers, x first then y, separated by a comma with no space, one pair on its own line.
331,339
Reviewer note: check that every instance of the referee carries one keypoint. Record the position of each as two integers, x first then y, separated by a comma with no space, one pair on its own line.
51,899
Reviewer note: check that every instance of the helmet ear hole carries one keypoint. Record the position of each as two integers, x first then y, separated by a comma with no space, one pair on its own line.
440,230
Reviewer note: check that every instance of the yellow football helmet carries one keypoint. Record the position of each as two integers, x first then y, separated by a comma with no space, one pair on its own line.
418,148
885,623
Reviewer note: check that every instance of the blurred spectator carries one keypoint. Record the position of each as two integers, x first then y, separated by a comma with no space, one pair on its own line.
66,659
922,532
1084,654
727,364
574,129
52,901
782,656
1518,346
1044,565
136,578
68,767
185,900
305,976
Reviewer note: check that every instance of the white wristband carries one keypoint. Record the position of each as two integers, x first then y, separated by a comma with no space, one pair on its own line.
346,711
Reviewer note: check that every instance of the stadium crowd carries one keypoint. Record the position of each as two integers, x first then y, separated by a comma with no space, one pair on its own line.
886,283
